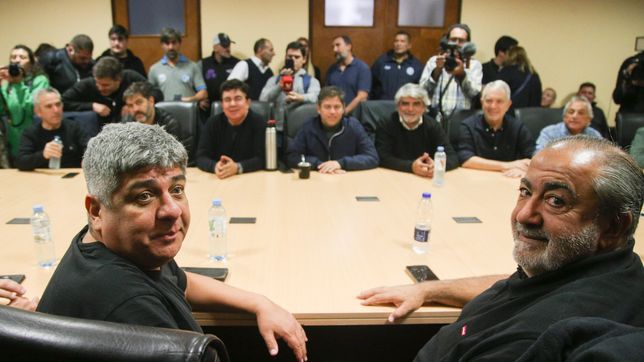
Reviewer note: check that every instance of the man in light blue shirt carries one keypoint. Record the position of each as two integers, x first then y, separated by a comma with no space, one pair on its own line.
577,115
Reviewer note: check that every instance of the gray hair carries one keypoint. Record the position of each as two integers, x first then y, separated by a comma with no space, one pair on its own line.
589,107
412,90
43,91
619,184
496,85
124,148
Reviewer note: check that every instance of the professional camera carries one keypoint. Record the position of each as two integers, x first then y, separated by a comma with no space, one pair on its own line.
453,51
15,70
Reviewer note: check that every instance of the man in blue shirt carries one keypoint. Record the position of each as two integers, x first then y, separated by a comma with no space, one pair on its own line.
395,68
577,115
178,77
349,73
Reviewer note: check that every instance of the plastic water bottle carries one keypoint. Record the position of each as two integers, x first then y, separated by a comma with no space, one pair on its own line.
42,236
440,164
423,228
271,146
217,223
54,162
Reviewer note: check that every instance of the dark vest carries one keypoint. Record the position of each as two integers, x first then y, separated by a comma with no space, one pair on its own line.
214,74
256,79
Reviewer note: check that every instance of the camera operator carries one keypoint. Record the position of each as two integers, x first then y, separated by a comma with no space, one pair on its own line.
629,90
452,77
20,80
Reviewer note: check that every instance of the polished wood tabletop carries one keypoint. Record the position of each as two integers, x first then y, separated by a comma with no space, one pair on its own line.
313,247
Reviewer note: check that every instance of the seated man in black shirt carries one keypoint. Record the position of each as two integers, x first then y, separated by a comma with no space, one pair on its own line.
573,224
103,93
37,144
139,100
495,141
121,267
408,140
232,142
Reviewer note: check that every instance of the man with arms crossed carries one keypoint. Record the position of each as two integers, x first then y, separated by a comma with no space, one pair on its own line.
121,266
573,225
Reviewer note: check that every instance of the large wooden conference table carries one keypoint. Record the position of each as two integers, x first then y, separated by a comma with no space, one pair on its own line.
314,247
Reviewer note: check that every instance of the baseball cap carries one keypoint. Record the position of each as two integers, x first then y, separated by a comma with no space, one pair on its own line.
223,39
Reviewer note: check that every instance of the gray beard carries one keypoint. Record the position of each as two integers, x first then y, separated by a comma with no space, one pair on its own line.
557,251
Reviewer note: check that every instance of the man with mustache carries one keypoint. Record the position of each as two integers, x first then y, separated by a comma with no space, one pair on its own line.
121,268
178,77
349,73
573,225
139,101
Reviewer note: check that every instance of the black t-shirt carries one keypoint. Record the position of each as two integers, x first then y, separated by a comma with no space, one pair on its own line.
92,282
502,322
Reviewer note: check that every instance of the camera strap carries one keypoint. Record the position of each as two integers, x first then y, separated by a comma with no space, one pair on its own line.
441,94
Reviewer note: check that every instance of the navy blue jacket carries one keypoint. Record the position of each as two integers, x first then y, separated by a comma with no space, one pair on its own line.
350,146
388,76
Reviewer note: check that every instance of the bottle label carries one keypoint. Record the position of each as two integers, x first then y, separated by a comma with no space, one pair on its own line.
421,235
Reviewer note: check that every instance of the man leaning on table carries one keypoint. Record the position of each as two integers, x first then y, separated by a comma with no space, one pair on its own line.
121,268
495,140
332,142
573,224
408,140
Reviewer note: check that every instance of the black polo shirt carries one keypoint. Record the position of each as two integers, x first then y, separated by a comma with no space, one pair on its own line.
513,141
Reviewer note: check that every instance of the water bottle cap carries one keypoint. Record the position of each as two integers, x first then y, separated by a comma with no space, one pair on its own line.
272,123
440,149
427,195
38,208
216,202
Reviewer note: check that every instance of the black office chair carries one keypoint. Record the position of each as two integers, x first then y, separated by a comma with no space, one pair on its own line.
33,336
294,119
627,125
187,114
372,114
537,118
454,124
264,109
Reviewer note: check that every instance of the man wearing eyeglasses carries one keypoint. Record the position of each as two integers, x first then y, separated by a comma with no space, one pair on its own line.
232,142
452,89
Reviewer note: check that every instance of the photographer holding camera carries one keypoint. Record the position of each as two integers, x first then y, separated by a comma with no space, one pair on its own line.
452,77
20,81
629,90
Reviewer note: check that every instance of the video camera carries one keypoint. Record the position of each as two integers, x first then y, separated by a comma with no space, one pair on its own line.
453,51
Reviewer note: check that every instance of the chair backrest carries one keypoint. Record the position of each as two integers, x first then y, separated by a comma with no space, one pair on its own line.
372,114
296,117
627,125
264,109
33,336
454,124
187,114
536,118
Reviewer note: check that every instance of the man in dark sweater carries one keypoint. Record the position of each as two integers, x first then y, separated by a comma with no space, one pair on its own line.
573,227
407,141
103,93
37,145
67,66
139,100
232,142
119,35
